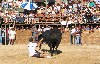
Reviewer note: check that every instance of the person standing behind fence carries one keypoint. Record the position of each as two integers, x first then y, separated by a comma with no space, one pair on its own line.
13,17
34,33
73,35
47,28
12,36
0,36
3,35
78,35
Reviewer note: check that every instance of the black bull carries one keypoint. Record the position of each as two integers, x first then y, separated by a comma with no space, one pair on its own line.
52,38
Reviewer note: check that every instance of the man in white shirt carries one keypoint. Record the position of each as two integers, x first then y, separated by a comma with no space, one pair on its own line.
13,17
69,22
73,35
32,50
39,29
78,35
12,35
47,28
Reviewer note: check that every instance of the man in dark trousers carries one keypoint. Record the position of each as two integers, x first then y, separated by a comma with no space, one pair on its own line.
34,33
3,35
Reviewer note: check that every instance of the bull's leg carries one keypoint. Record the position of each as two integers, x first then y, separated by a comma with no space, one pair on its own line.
56,50
51,51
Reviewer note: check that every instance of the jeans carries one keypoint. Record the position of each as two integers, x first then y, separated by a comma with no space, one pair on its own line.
3,40
78,39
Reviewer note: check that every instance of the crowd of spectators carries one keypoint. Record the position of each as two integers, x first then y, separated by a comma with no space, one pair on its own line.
77,12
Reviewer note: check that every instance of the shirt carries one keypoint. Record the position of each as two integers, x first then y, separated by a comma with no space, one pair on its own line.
77,31
12,34
73,30
39,29
45,29
63,22
31,48
69,22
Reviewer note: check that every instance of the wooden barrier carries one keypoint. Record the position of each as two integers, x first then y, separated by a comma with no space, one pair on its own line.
87,38
23,36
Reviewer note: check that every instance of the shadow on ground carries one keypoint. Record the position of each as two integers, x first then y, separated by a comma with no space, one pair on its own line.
55,52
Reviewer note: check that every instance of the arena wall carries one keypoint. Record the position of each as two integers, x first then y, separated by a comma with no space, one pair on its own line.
23,36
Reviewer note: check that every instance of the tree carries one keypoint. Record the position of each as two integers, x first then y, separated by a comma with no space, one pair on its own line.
0,1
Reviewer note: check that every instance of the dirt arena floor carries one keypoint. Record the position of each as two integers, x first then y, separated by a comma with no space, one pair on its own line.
68,54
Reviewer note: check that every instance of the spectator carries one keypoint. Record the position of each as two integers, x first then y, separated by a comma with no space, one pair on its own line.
78,35
12,36
13,17
72,37
0,35
70,22
87,27
34,33
3,35
47,28
39,29
91,29
30,18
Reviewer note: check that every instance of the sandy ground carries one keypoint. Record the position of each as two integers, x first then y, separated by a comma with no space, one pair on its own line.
69,54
